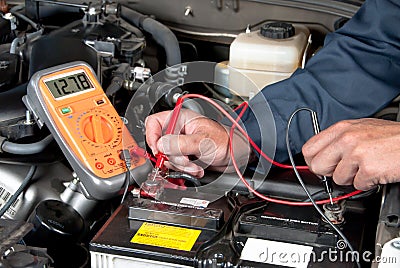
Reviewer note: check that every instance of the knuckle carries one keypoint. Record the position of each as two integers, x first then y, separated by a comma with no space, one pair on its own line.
199,141
363,184
181,142
348,139
306,150
149,118
314,166
342,125
367,171
358,154
207,146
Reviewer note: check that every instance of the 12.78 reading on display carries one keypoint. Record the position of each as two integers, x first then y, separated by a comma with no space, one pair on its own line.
63,86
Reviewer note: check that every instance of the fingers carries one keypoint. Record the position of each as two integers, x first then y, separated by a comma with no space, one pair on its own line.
182,163
361,182
177,145
358,152
345,172
156,123
194,139
316,144
154,127
332,153
325,151
325,161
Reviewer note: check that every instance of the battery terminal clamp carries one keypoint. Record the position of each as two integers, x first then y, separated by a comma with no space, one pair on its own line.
335,212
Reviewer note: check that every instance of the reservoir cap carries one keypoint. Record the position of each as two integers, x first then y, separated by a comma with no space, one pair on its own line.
277,30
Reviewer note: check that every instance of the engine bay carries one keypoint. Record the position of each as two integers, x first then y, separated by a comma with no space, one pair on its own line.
145,57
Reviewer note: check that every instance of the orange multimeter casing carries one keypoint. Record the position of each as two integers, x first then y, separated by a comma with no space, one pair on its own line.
72,103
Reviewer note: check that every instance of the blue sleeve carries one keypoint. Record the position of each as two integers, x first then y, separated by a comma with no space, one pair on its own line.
354,75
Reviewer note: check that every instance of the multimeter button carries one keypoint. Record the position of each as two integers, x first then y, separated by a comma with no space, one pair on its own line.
111,161
99,165
100,102
66,110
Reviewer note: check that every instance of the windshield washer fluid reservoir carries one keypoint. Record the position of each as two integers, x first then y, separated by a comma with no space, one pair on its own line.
266,56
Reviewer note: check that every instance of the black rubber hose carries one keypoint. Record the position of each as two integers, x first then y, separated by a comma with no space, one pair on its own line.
161,33
132,16
24,149
166,38
135,30
186,177
117,82
26,19
115,85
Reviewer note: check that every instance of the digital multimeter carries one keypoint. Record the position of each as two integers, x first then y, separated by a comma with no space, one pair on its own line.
69,100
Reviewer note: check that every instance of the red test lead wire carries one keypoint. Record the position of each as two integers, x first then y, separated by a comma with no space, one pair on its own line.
254,145
174,116
161,157
236,125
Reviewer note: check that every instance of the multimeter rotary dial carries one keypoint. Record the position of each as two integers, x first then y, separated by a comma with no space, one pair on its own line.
100,127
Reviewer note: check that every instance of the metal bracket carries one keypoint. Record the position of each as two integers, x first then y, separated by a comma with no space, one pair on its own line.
233,4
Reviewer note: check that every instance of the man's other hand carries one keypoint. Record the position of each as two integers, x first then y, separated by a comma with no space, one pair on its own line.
363,152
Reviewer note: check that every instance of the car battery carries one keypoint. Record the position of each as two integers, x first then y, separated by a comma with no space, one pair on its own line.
145,232
300,236
235,230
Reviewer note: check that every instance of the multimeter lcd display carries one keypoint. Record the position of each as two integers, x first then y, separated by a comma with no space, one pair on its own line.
64,86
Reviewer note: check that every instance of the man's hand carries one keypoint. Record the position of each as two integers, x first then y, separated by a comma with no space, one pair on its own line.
363,152
200,139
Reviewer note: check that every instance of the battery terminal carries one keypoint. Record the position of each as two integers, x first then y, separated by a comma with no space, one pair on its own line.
335,212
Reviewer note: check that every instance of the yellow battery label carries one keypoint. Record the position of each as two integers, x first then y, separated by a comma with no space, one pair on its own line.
166,236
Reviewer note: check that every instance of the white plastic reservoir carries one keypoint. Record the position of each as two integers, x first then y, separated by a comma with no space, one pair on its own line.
263,57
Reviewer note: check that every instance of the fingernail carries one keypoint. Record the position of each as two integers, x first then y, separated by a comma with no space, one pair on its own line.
153,150
163,145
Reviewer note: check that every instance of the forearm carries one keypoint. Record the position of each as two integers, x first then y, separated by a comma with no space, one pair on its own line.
353,76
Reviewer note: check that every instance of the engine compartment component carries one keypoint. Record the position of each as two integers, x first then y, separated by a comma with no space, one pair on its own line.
225,226
17,255
266,56
179,221
155,243
47,184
